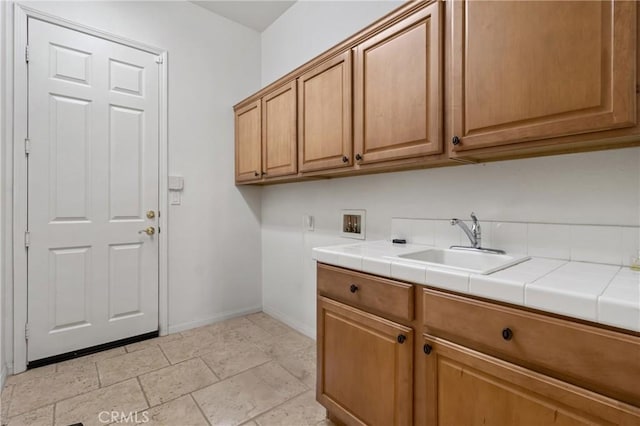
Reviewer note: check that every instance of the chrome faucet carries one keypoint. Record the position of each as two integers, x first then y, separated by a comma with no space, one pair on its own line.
474,234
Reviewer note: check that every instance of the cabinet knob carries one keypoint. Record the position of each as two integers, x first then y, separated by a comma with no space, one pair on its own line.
353,288
256,174
345,159
456,141
402,338
358,157
507,334
427,348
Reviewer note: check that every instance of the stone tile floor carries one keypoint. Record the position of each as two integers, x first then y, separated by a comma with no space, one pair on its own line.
250,370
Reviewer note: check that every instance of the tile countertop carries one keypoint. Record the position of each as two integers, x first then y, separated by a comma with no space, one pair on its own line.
605,294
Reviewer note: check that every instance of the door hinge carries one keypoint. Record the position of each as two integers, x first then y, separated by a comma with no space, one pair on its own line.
159,60
27,238
158,229
26,331
26,53
27,146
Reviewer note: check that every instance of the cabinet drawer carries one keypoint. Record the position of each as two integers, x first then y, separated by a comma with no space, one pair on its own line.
601,360
379,295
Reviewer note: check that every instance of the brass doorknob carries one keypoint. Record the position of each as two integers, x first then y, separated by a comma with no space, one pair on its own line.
149,231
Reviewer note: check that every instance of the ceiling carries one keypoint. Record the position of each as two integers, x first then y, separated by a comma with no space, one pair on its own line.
253,14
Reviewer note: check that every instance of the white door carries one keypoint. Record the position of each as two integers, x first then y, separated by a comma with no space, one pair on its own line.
93,176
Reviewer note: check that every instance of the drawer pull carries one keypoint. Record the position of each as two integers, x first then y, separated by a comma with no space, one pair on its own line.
507,334
401,338
427,348
353,288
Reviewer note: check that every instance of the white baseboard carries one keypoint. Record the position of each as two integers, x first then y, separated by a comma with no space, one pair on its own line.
3,375
213,319
307,331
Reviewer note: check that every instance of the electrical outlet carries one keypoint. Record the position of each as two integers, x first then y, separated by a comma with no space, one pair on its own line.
353,224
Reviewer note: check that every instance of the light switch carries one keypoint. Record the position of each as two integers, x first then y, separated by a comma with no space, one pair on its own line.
308,222
176,183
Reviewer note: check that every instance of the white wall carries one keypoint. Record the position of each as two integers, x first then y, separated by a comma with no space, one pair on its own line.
310,27
592,188
214,236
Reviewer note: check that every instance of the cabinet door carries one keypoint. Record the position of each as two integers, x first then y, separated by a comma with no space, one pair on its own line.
248,142
531,70
279,147
324,115
364,367
397,106
465,387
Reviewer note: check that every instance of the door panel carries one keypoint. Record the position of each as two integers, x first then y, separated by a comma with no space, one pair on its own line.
398,94
248,142
364,372
125,280
69,286
93,171
279,149
549,69
125,155
324,115
70,159
465,387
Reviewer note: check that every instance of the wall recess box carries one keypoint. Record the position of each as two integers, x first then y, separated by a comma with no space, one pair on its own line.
353,224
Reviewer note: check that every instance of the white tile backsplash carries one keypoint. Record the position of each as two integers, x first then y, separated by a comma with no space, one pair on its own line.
601,244
630,244
552,241
401,228
609,244
509,236
423,232
447,235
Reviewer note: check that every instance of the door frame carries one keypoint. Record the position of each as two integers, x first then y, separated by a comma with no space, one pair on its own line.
20,185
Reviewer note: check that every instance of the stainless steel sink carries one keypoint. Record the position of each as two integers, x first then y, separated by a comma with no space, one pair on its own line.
474,261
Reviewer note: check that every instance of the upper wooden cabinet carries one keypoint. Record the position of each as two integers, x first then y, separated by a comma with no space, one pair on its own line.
525,71
324,115
397,90
279,148
248,142
436,81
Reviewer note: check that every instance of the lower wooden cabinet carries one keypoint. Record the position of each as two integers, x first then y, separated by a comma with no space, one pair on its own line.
465,387
477,363
365,366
